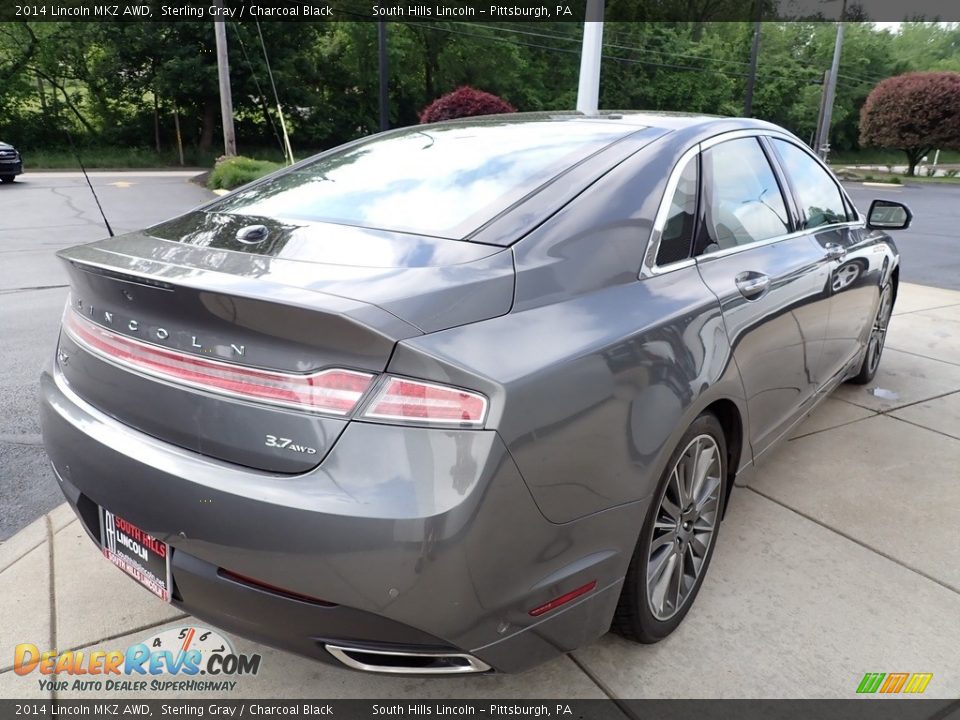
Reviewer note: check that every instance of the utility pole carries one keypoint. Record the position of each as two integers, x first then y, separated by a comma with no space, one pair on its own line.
823,99
384,76
226,99
754,53
588,91
823,134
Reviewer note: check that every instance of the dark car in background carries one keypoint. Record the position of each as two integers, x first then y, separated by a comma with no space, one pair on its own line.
11,164
459,397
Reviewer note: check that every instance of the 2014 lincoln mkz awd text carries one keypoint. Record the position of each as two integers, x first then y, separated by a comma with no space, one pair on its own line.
458,398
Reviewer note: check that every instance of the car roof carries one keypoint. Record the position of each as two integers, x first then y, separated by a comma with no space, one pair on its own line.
645,134
629,119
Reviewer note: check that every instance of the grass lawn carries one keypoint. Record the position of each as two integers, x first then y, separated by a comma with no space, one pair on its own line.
876,156
236,171
894,179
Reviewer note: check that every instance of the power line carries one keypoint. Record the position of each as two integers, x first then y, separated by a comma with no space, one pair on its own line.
256,82
766,73
606,43
288,151
618,58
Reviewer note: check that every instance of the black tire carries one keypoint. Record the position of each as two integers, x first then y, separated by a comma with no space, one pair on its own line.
7,178
877,339
634,618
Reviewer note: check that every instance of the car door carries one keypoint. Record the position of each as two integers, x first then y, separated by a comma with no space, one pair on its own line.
854,262
772,283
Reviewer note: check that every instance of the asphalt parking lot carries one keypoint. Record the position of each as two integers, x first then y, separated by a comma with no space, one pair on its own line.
839,558
43,212
929,249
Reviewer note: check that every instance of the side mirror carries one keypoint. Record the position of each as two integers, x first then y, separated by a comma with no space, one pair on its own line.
888,215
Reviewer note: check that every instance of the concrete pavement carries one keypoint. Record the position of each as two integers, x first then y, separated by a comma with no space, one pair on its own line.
839,558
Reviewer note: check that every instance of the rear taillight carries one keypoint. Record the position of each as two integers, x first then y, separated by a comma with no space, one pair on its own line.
406,400
330,391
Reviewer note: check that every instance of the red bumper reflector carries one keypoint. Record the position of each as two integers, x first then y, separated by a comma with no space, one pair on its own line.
563,599
250,582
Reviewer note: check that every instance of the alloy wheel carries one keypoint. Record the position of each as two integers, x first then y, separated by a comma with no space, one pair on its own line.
684,527
878,335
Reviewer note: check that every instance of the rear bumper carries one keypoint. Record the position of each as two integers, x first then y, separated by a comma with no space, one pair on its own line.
415,539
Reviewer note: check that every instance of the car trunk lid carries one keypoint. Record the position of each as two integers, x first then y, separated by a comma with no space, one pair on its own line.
284,308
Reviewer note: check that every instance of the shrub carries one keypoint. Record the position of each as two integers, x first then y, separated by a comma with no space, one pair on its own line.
464,102
230,173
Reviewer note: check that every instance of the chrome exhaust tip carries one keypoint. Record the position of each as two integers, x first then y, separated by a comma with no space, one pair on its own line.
396,662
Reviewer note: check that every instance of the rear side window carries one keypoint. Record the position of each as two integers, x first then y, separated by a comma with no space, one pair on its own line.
818,194
677,232
742,199
444,180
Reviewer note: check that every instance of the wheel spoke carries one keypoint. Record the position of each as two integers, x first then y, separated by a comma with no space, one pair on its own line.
668,538
683,479
667,505
698,548
702,464
705,523
678,572
695,562
708,494
658,585
664,523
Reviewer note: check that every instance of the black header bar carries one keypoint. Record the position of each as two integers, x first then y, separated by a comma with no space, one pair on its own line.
471,10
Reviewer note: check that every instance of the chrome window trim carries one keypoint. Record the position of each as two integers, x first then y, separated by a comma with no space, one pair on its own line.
650,267
803,148
772,241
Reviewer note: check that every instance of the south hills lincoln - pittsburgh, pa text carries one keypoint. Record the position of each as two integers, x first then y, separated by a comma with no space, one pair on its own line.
492,11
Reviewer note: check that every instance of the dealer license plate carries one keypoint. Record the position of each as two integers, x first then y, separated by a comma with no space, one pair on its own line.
138,554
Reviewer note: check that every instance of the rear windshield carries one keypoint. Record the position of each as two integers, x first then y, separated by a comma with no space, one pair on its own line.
443,180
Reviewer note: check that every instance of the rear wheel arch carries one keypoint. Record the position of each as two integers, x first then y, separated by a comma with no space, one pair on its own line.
728,415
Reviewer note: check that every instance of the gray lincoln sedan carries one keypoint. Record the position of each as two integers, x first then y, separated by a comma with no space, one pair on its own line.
460,397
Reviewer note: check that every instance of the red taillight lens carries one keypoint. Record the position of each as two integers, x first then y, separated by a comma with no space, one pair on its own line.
329,391
411,401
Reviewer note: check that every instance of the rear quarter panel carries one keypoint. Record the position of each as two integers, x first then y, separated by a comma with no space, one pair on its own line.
594,375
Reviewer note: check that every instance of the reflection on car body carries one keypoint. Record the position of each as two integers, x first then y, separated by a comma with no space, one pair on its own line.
529,354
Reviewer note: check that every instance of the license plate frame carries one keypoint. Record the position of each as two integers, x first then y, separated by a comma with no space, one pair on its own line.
137,553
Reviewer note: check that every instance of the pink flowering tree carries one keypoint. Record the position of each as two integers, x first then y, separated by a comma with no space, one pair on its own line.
915,113
464,102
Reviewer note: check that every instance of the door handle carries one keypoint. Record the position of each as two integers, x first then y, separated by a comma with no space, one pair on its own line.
834,251
752,284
